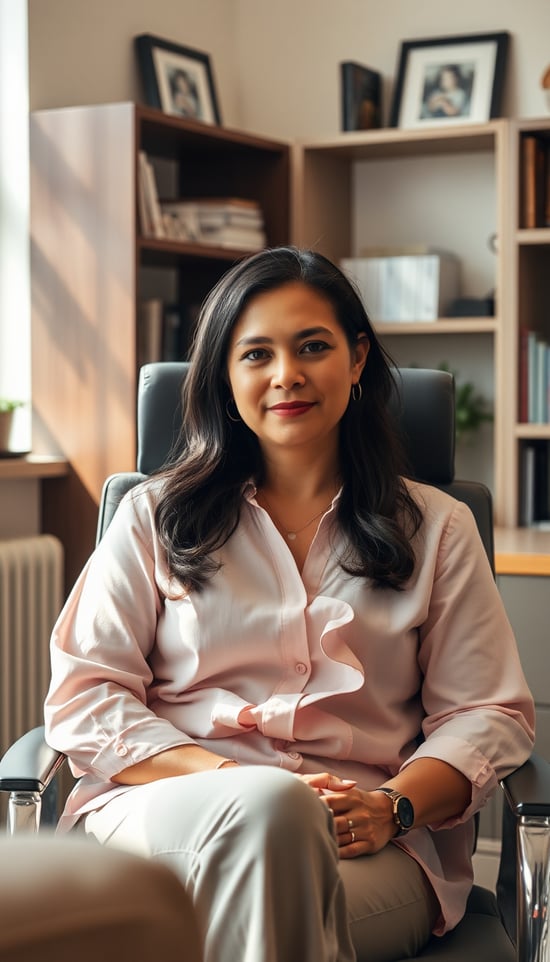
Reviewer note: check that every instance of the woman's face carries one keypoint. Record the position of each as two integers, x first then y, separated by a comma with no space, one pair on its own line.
448,79
291,369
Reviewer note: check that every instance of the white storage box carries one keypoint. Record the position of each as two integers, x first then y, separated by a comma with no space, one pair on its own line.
410,287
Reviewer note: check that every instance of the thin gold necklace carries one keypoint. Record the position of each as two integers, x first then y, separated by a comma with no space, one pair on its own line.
292,535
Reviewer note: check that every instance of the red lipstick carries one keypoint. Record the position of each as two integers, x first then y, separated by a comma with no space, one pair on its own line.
291,409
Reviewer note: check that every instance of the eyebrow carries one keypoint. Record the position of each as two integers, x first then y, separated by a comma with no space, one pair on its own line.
306,332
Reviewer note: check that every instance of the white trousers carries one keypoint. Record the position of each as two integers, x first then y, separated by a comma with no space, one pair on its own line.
255,849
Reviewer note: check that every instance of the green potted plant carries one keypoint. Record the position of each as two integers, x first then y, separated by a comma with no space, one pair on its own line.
471,408
7,409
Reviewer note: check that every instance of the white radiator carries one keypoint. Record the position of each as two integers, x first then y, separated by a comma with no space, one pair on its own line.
31,593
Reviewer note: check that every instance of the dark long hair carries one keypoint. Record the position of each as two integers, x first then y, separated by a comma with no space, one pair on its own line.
201,499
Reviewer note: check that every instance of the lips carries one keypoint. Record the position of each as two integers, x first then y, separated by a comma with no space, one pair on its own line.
291,408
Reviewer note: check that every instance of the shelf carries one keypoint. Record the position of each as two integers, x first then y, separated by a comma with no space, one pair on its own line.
32,466
163,134
394,142
163,250
534,236
533,431
452,325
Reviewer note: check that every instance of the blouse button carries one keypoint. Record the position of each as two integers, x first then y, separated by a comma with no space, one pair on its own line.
294,754
301,668
121,750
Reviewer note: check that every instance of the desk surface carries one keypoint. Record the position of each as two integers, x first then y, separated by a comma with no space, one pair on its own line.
522,551
32,466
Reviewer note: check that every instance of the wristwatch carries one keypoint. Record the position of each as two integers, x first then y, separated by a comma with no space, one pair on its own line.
403,811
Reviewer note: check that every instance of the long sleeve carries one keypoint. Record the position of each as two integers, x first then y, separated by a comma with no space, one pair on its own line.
98,708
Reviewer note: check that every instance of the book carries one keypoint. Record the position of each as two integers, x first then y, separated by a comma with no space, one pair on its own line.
144,216
534,179
534,378
523,393
535,484
147,188
361,96
149,331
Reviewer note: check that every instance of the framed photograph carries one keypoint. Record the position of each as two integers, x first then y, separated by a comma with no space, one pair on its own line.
177,79
360,92
449,80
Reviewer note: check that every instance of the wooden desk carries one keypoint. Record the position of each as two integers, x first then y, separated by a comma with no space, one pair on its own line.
23,481
522,551
32,466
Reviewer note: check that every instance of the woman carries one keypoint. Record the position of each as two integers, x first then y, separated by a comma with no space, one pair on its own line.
448,97
286,670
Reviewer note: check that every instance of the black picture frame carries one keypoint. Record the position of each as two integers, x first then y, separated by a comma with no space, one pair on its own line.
472,70
177,80
360,96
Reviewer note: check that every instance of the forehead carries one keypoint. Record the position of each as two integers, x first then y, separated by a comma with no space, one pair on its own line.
285,308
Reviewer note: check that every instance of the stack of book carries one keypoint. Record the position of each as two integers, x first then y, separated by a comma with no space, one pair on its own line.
222,222
406,287
232,222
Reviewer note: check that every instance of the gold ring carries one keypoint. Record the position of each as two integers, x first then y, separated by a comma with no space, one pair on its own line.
352,835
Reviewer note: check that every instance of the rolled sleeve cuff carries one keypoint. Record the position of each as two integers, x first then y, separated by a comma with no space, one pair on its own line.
135,745
468,760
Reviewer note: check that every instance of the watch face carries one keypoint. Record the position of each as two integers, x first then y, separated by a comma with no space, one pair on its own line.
405,812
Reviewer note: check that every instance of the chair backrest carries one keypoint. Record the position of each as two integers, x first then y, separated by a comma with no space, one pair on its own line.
423,407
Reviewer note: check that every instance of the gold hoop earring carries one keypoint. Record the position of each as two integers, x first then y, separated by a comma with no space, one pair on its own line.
356,391
228,412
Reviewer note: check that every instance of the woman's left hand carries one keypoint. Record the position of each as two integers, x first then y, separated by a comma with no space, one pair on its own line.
363,821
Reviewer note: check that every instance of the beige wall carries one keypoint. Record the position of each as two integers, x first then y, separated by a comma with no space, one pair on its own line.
276,70
289,52
81,52
275,61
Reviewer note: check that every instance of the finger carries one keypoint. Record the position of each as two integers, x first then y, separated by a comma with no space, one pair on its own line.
348,842
334,784
344,825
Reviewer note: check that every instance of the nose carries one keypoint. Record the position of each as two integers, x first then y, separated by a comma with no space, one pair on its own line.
287,373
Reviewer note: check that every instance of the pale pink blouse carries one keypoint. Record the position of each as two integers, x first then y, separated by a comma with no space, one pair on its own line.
312,672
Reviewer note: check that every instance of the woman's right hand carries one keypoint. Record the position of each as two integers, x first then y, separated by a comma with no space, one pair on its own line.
323,783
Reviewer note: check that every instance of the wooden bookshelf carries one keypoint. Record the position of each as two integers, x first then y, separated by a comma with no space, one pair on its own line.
91,267
325,183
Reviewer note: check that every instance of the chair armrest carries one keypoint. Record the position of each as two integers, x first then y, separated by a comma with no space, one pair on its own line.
527,790
29,764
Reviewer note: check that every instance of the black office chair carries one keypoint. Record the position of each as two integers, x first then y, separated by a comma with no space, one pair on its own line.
424,408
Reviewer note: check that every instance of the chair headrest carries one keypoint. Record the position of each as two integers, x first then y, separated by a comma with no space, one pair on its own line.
159,412
423,405
424,408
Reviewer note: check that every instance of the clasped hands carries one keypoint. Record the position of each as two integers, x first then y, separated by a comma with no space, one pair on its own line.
363,821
